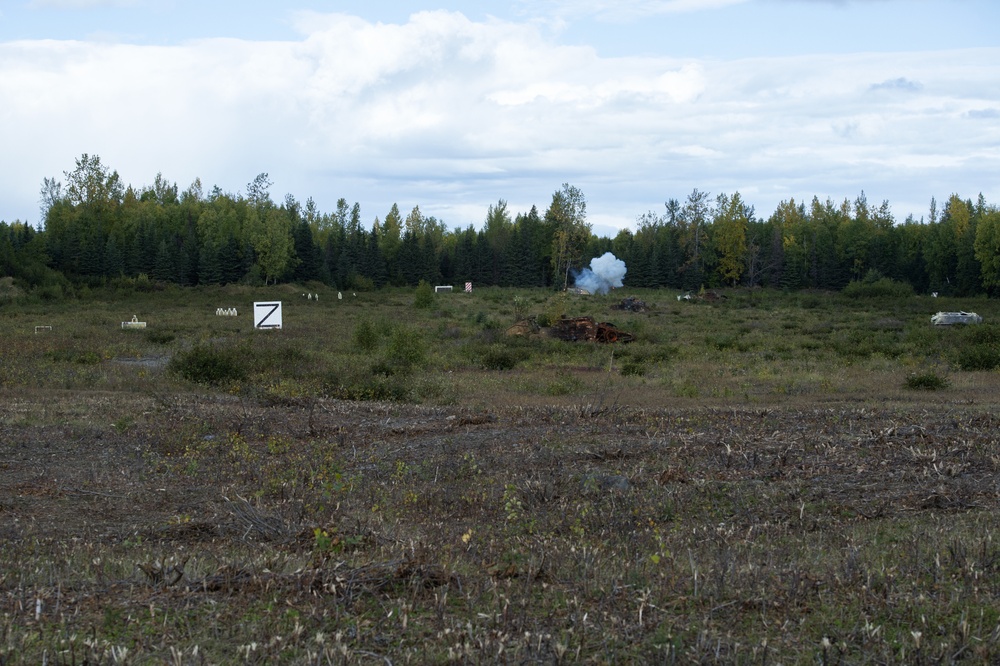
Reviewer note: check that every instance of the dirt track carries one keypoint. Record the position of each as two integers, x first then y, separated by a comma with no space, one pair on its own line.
104,466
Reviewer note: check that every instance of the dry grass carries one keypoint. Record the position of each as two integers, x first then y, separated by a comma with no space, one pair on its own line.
749,499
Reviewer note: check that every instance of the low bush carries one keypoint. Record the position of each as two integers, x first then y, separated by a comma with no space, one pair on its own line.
381,389
926,381
275,356
498,357
82,357
376,386
810,302
51,292
365,338
722,341
634,368
566,385
204,364
10,291
406,348
985,334
881,287
160,337
424,296
977,357
860,343
978,348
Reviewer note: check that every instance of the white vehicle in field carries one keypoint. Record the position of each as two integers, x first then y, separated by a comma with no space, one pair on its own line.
949,318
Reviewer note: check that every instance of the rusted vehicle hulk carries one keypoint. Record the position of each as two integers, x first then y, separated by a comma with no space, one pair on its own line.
585,329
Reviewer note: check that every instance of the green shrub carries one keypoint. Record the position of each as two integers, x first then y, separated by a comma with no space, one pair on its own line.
50,292
566,385
663,353
926,381
365,337
722,342
406,348
382,367
388,389
139,284
877,287
982,334
424,297
977,357
555,311
74,356
449,331
362,283
924,340
88,358
277,356
498,357
10,291
384,390
204,364
634,368
491,324
160,337
860,343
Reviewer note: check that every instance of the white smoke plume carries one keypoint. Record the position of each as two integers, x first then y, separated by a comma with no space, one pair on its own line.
605,273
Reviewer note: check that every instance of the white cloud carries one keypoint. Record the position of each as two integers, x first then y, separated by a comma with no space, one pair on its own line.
627,10
452,114
80,4
900,83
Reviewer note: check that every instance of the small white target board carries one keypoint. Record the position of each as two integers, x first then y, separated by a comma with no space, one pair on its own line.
267,315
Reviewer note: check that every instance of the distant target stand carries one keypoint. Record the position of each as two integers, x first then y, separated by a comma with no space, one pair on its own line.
267,315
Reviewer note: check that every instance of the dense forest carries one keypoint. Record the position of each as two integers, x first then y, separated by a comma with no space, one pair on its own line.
97,230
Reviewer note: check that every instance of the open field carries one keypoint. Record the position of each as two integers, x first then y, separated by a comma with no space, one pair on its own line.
770,478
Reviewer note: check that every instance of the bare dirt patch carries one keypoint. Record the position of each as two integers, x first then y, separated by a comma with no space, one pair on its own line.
216,527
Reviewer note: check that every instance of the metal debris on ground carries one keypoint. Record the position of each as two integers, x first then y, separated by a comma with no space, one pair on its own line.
631,304
523,327
709,296
585,329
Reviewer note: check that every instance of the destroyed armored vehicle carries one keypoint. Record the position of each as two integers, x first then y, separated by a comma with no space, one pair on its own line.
586,329
949,318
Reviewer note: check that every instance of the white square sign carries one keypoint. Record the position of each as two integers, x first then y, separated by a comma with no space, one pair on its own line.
267,315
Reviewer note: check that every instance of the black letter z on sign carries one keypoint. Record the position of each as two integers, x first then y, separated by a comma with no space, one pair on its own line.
274,306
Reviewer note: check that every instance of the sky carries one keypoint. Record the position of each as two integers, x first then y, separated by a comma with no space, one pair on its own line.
454,105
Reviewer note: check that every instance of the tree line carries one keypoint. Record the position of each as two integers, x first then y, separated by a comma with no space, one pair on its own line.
95,229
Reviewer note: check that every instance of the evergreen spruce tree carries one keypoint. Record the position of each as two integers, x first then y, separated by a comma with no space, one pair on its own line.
375,265
310,259
165,266
114,261
209,271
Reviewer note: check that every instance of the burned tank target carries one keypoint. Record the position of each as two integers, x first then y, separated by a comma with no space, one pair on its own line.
586,329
